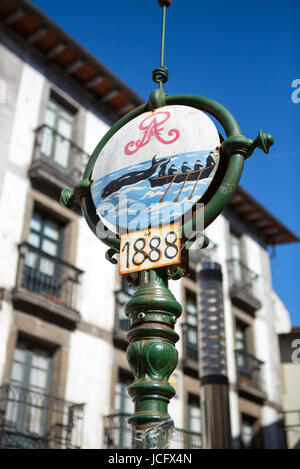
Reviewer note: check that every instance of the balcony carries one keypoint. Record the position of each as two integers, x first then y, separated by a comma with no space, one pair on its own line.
190,349
117,434
292,420
291,425
249,375
243,286
47,287
33,420
57,161
121,326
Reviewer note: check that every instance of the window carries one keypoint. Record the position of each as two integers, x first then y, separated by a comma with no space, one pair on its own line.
126,286
235,246
123,402
46,234
236,256
57,135
191,316
248,432
26,411
241,336
122,297
31,367
192,272
42,271
194,414
243,357
123,405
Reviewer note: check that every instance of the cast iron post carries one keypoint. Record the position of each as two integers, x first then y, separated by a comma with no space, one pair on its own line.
152,356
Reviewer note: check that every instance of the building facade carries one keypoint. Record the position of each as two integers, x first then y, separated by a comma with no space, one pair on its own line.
289,340
63,370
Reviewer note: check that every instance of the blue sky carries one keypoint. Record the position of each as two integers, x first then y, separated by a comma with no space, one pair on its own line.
243,54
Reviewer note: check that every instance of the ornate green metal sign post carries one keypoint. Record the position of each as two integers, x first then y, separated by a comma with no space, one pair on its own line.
168,153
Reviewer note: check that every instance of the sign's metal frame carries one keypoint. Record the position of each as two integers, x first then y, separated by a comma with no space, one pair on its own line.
233,152
153,310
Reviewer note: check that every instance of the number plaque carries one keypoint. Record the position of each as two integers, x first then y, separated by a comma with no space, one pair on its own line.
149,249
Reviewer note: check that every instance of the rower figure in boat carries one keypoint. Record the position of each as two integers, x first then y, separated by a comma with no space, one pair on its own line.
210,160
172,170
163,167
185,168
198,165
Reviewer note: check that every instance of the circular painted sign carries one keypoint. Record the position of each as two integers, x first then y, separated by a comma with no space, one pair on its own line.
155,168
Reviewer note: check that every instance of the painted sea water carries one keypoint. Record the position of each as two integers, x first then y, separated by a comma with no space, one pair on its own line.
123,200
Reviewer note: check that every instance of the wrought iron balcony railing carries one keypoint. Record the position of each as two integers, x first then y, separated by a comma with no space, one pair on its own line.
59,153
292,420
49,277
33,420
249,370
117,434
190,341
243,283
186,439
291,425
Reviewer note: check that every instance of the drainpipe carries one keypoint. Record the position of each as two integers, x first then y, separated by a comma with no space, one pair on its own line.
216,430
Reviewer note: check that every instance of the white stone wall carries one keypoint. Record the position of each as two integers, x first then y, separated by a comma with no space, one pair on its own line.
282,316
6,323
16,184
93,132
26,117
88,378
291,400
98,281
15,161
12,209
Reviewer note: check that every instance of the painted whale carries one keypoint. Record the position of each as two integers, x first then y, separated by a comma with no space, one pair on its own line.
131,178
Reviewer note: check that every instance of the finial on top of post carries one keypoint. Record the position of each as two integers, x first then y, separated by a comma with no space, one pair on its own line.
164,3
